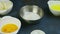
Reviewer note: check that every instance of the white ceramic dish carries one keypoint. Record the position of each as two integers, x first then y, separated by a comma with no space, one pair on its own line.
37,32
55,12
6,19
3,12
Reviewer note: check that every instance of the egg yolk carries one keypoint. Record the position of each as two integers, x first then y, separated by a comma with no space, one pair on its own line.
8,28
55,7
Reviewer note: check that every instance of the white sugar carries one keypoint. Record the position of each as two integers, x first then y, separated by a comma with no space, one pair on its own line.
31,16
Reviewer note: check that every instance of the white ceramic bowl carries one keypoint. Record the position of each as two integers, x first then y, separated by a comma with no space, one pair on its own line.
37,32
6,19
3,12
55,12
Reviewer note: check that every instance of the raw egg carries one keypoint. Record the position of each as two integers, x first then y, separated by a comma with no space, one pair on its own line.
8,28
10,25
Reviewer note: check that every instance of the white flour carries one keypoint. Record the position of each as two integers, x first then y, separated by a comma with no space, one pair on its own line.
31,16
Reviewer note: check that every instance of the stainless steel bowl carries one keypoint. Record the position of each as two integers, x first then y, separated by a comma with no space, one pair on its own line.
31,8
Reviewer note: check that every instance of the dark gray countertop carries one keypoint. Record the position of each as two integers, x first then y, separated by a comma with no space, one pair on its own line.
49,23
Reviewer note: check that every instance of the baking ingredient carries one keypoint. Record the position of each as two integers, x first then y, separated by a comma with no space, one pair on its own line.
31,16
8,28
55,7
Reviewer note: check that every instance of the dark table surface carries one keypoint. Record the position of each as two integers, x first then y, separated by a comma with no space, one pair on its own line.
49,23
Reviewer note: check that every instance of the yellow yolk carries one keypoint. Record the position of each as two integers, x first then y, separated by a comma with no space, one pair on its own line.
8,28
55,7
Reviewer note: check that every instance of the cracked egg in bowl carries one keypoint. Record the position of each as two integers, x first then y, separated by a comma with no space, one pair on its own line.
10,25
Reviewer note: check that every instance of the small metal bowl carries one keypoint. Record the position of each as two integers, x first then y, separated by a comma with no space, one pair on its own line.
31,8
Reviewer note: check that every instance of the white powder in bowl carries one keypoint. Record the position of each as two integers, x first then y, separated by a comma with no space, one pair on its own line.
31,16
